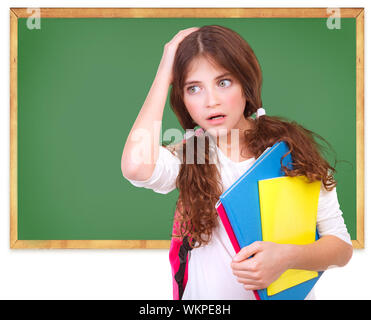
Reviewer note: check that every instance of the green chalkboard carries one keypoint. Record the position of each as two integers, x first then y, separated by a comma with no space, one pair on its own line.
82,82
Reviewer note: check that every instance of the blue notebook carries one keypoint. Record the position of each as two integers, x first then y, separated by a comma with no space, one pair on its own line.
241,204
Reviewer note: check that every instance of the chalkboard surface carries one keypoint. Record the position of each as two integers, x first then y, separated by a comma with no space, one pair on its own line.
82,81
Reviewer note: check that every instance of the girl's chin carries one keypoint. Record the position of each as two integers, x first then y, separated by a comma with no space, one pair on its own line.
219,131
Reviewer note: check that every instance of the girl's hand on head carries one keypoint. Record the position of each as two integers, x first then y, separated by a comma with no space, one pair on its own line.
269,261
166,64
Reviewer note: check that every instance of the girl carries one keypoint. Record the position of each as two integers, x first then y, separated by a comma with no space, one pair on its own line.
216,85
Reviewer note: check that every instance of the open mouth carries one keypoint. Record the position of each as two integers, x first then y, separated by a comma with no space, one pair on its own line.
220,116
216,119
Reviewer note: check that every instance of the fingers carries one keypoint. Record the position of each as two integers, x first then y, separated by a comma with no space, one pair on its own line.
251,284
249,265
250,280
187,31
252,287
248,251
246,274
170,49
182,34
247,270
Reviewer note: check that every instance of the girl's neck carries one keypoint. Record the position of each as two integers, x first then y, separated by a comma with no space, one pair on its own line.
231,145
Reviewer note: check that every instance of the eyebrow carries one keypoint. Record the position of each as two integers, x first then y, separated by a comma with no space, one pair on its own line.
218,77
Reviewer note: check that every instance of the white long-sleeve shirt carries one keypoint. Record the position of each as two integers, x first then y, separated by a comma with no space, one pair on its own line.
209,272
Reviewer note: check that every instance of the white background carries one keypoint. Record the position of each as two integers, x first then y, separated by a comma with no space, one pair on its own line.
136,274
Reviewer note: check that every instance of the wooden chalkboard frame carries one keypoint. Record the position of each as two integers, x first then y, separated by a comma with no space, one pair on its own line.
15,13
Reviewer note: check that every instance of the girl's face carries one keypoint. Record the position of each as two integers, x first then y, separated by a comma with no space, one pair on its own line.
210,90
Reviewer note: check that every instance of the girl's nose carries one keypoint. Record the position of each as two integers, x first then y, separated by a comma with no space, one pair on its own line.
212,98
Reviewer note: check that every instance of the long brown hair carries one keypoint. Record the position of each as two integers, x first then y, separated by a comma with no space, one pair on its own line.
200,185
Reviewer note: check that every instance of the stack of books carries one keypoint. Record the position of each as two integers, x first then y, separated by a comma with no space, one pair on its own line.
265,205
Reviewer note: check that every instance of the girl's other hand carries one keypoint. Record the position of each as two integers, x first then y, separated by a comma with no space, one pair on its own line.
269,261
166,64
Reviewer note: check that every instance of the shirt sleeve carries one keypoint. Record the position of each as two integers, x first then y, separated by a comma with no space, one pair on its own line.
163,179
330,217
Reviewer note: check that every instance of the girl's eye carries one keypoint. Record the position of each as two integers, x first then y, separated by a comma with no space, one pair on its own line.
225,82
192,89
195,89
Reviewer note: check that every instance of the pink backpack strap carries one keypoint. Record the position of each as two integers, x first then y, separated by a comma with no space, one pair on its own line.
178,256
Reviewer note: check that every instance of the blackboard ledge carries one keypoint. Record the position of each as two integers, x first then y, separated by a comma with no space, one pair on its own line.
90,244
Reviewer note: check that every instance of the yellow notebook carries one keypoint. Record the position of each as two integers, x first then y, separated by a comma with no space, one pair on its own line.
288,209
